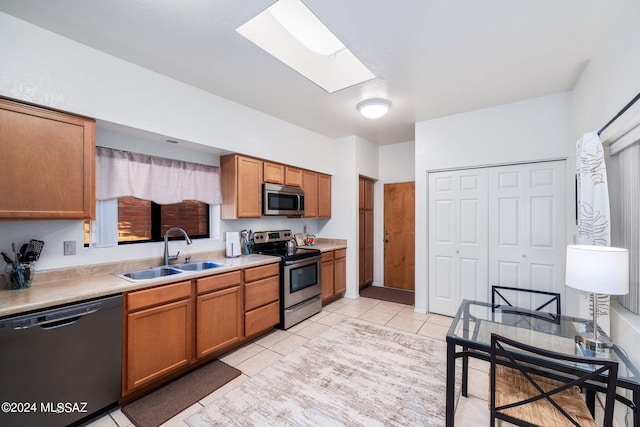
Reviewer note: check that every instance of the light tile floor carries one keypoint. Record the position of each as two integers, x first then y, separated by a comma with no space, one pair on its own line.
257,355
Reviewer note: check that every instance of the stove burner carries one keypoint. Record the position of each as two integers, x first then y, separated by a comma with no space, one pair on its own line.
275,243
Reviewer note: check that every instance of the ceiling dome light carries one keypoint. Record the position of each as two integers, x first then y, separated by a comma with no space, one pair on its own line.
374,108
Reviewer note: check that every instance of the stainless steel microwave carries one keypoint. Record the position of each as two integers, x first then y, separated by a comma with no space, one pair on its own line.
282,200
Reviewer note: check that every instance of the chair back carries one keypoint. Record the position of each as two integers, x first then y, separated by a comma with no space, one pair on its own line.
534,300
549,378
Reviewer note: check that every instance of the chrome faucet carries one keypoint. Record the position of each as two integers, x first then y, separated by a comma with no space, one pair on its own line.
167,258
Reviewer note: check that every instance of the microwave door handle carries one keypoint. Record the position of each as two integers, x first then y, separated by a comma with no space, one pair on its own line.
298,206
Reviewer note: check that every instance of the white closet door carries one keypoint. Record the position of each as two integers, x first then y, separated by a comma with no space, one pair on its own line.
527,228
457,239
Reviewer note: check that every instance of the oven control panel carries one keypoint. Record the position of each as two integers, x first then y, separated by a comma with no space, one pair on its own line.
272,236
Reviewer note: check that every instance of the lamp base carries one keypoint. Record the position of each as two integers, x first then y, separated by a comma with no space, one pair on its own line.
599,344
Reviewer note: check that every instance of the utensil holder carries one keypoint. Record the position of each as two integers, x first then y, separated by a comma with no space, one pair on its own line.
19,276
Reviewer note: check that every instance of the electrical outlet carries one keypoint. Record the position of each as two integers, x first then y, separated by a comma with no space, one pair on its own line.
69,247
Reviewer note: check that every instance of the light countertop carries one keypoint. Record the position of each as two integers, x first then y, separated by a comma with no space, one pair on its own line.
86,282
326,245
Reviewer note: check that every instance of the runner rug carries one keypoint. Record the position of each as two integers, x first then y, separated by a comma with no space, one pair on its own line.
384,293
157,407
356,373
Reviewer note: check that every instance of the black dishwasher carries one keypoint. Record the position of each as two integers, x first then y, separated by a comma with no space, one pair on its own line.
60,365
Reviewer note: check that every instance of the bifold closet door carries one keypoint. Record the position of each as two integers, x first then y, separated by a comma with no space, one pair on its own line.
502,225
527,228
457,238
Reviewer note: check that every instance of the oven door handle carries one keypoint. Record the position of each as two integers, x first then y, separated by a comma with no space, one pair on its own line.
303,261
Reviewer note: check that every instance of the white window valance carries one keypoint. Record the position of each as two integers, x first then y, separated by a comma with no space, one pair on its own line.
163,181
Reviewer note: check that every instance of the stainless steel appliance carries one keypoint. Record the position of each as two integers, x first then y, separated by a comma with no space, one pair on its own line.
282,200
61,365
300,275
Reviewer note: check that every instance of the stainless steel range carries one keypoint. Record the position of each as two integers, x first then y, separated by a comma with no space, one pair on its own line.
300,275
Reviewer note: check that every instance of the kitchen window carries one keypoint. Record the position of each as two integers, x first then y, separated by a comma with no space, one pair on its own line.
139,197
145,221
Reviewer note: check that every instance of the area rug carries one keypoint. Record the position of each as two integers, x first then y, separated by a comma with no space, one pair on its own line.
383,293
157,407
356,373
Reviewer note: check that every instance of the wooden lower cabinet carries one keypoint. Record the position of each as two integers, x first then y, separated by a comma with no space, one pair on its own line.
261,298
170,327
327,276
219,314
334,275
340,272
158,333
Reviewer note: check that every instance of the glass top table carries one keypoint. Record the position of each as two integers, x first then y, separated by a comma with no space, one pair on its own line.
475,321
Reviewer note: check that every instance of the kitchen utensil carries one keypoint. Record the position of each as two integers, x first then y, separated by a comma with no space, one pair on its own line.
34,249
6,257
291,245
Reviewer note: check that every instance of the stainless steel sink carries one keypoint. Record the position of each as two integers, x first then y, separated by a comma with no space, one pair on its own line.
200,265
149,273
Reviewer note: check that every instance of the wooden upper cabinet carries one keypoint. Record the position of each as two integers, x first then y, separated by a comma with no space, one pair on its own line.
310,186
48,163
241,180
273,173
324,196
293,176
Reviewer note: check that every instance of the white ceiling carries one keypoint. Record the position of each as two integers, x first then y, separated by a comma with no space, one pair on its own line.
432,58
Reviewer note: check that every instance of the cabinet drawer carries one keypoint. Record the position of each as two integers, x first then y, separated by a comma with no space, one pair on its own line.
261,292
327,256
340,253
257,273
261,318
158,295
218,281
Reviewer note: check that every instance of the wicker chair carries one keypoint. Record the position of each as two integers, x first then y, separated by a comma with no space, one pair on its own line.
537,392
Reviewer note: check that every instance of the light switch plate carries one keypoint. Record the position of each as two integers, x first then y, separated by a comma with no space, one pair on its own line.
69,247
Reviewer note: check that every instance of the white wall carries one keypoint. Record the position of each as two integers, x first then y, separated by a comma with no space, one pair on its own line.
534,129
44,68
344,201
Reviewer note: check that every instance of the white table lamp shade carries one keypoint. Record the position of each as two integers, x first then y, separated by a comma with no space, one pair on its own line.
598,269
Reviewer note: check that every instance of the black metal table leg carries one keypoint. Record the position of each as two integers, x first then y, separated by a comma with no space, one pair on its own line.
636,402
591,401
465,372
451,384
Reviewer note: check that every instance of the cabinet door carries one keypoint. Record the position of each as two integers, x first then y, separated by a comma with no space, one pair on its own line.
324,196
368,247
262,318
310,186
159,340
340,275
48,164
274,173
293,176
249,188
261,292
327,280
219,320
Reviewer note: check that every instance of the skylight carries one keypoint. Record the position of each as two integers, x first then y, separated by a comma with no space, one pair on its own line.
290,32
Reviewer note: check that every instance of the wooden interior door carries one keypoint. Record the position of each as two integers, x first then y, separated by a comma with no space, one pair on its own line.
365,249
399,232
